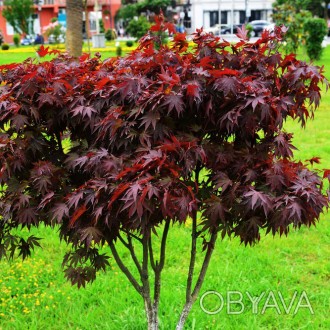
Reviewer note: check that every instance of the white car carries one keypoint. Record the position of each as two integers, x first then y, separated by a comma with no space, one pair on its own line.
52,40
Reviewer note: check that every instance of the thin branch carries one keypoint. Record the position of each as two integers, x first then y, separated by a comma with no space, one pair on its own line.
145,272
194,236
132,251
129,245
163,245
131,234
188,305
145,279
192,256
205,265
160,265
125,270
153,264
123,241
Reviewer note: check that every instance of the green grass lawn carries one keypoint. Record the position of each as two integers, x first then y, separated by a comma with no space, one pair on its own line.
35,295
21,53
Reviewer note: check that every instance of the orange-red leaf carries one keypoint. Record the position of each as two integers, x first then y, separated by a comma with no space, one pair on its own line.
77,214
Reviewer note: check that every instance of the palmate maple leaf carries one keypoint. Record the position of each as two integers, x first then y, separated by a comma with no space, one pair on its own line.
174,101
243,33
227,85
259,199
42,51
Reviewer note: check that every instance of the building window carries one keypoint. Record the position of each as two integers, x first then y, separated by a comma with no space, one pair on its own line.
241,16
255,15
211,18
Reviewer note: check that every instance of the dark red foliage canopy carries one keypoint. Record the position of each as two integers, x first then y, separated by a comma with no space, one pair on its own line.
101,147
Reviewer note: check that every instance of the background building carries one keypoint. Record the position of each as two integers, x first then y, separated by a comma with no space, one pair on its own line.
47,9
206,13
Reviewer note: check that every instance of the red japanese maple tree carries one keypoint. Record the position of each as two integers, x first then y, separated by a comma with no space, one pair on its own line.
159,136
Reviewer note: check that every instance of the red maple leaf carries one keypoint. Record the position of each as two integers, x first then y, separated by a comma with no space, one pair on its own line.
42,51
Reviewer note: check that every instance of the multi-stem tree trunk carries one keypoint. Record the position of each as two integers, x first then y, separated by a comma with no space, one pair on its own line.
74,37
149,262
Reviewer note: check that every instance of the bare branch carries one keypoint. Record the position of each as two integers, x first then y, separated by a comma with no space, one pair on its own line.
151,256
160,265
194,236
133,254
163,245
131,234
192,257
125,270
188,305
123,241
205,265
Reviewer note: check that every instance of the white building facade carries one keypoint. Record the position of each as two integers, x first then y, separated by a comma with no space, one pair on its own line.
207,13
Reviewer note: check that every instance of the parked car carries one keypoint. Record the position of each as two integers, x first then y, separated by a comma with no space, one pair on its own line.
259,26
214,29
227,29
52,39
27,40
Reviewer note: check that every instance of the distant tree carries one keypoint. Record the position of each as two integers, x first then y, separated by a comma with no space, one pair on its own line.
293,20
138,27
316,30
316,7
130,10
74,28
162,137
17,14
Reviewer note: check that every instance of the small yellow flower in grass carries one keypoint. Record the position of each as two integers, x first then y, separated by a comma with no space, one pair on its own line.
37,302
2,314
47,307
51,297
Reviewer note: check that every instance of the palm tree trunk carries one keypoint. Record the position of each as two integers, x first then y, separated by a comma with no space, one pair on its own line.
74,38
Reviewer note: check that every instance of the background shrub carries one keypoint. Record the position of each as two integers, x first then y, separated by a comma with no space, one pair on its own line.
249,27
5,47
119,51
16,40
316,30
129,43
110,34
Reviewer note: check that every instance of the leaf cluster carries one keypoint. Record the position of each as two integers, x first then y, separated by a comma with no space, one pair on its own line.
143,129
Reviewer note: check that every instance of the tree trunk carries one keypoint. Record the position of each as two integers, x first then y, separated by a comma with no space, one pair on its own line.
152,314
74,38
183,316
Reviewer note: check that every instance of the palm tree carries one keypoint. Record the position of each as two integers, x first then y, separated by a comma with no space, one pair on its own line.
74,38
